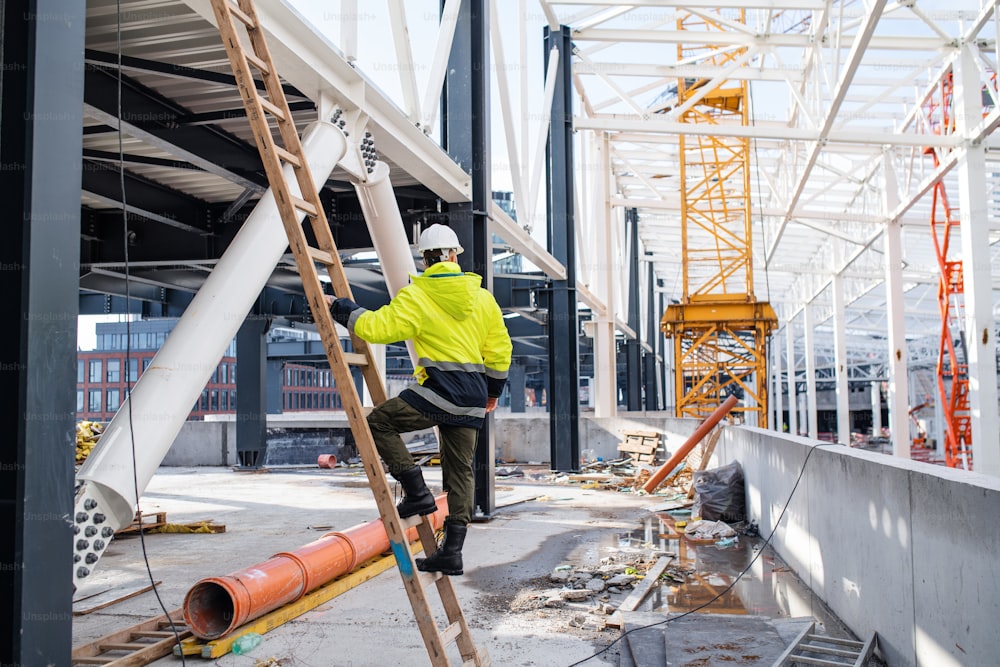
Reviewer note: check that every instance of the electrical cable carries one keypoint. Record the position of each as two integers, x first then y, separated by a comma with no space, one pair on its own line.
738,576
128,329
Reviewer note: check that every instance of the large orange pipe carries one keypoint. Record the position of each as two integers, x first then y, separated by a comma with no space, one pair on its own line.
689,444
216,606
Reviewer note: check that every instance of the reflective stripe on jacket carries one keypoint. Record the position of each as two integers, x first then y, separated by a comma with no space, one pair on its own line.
459,336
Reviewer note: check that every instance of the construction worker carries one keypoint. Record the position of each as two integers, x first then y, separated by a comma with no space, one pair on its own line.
463,351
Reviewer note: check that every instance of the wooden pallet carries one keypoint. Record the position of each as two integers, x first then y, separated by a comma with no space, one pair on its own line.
640,446
143,522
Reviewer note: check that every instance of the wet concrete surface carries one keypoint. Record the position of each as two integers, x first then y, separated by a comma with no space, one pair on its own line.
538,527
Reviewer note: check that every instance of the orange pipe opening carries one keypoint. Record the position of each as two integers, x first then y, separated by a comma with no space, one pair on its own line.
689,444
216,606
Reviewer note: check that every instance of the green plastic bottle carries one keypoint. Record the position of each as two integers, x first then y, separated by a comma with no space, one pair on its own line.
247,643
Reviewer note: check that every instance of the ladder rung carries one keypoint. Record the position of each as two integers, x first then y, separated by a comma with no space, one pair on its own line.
451,633
355,359
257,62
835,640
160,634
116,646
288,156
812,648
428,578
94,660
321,256
410,522
241,15
817,661
304,206
272,109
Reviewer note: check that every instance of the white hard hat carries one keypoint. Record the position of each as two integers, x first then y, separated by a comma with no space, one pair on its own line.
439,237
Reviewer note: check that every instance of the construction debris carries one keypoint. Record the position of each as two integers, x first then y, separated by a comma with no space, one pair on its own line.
87,435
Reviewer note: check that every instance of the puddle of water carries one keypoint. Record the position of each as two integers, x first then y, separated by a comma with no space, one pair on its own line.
699,573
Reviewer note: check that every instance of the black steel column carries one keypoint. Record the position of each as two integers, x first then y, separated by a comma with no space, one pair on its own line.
564,371
41,103
251,392
652,320
516,386
633,348
465,130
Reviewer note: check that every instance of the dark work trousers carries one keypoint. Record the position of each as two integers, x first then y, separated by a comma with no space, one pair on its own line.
457,445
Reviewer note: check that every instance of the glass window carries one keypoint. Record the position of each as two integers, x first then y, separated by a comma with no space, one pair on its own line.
79,370
215,375
95,370
133,369
114,370
223,373
232,373
145,363
204,400
79,400
232,399
113,399
94,400
214,405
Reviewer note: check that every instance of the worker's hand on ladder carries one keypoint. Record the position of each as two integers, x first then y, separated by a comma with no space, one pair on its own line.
341,309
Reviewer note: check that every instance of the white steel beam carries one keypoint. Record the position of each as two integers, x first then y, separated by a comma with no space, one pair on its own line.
308,61
810,353
637,128
840,354
522,242
404,59
439,65
793,402
605,359
976,269
899,422
780,40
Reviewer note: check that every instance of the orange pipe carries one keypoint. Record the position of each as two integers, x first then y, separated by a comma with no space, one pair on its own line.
216,606
689,444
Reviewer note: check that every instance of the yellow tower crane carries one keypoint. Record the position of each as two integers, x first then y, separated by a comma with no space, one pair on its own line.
719,329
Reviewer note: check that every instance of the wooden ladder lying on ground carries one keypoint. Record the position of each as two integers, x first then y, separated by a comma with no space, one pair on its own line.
230,15
835,652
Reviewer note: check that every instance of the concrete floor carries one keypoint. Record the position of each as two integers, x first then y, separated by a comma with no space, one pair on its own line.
537,527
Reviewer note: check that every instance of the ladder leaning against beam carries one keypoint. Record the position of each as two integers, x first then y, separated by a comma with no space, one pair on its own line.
229,15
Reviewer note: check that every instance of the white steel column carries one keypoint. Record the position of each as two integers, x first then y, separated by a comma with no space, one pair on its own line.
810,352
793,404
973,200
876,392
605,361
840,355
899,424
779,416
141,432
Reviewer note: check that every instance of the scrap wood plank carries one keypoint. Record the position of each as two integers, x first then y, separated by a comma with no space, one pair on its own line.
109,649
640,592
107,598
220,647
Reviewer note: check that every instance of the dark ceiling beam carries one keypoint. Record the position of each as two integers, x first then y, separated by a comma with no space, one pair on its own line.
144,197
111,60
129,158
233,114
157,141
150,117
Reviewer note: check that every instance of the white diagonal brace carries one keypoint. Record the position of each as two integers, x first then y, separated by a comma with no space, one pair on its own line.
404,58
858,47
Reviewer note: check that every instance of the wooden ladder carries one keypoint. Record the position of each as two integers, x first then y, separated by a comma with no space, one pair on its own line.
810,648
229,15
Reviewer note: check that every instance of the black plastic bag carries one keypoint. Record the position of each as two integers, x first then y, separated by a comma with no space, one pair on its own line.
720,494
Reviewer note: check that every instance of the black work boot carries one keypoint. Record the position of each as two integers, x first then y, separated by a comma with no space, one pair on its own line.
448,558
417,498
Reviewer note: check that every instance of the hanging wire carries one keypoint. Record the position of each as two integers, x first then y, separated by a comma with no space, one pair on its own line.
128,328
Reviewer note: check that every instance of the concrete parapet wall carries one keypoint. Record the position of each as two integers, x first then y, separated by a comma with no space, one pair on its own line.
893,546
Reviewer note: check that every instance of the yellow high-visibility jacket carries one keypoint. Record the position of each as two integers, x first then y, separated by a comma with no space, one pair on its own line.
459,336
